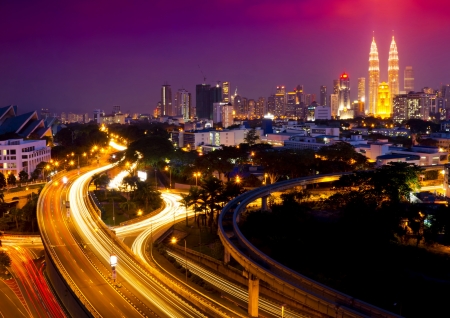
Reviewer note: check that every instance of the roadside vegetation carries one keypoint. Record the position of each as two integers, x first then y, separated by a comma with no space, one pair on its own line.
365,240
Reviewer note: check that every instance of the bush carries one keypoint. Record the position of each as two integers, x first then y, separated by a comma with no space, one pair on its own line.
171,259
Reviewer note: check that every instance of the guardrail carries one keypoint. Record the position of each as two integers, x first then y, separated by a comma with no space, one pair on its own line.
305,290
56,261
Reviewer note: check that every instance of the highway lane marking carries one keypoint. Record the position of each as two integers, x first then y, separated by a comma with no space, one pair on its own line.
101,293
112,305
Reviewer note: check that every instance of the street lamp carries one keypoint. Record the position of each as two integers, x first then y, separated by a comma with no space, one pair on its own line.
265,178
196,175
238,180
174,241
170,176
282,310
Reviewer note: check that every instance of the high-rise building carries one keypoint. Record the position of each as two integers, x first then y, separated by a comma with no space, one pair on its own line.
227,115
45,113
414,105
334,104
344,94
408,78
238,105
280,104
203,104
384,101
281,90
271,104
251,108
300,96
374,77
183,104
290,104
166,100
260,107
226,92
393,69
336,87
323,95
362,90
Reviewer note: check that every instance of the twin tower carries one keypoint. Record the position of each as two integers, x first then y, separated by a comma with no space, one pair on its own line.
382,94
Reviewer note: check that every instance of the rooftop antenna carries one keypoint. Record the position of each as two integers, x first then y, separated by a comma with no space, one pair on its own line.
204,77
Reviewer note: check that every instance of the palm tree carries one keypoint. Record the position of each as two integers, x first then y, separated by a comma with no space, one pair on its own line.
186,202
127,205
194,194
211,189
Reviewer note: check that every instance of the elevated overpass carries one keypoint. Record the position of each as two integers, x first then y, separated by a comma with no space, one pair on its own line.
298,289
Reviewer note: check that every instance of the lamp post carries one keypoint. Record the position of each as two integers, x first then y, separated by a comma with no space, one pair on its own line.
170,176
238,180
156,182
265,179
282,310
196,175
174,241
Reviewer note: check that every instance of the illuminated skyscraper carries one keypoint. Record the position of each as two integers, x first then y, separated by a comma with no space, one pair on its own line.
362,89
393,72
408,79
166,100
183,103
334,104
226,92
344,94
374,77
384,108
323,95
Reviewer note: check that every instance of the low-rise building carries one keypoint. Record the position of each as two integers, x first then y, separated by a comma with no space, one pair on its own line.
22,155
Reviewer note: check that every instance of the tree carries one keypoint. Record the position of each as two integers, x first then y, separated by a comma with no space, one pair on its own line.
23,176
251,137
127,205
2,181
11,179
150,148
5,259
186,203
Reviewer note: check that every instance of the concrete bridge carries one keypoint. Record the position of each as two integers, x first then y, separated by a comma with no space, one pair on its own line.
324,300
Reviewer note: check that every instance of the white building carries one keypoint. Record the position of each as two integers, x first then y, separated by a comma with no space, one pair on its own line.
322,113
22,155
227,115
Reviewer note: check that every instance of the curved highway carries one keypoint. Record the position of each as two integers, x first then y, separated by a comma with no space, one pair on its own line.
296,287
80,247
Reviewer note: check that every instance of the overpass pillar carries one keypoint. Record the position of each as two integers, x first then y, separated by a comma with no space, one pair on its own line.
253,295
226,256
264,203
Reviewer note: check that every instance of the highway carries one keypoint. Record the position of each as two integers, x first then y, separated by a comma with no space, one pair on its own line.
81,248
157,225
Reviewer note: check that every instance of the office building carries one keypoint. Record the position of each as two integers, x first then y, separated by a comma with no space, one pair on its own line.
260,107
206,96
408,79
183,104
374,77
290,104
344,94
227,115
334,104
166,100
226,98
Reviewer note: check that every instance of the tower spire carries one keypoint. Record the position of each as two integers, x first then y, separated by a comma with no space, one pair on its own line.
374,76
393,69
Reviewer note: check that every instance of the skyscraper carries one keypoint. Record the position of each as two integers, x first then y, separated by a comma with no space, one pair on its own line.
323,95
362,89
203,101
408,79
393,72
344,93
334,104
183,103
166,100
226,92
374,77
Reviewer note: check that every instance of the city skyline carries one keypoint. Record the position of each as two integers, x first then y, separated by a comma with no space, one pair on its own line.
83,56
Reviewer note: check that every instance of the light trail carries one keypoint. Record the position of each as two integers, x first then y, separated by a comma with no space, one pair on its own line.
157,225
117,146
148,287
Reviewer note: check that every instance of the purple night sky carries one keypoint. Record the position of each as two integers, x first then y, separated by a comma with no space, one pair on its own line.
76,56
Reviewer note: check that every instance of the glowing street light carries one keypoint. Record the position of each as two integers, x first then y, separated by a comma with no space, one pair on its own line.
238,180
196,175
174,241
64,179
